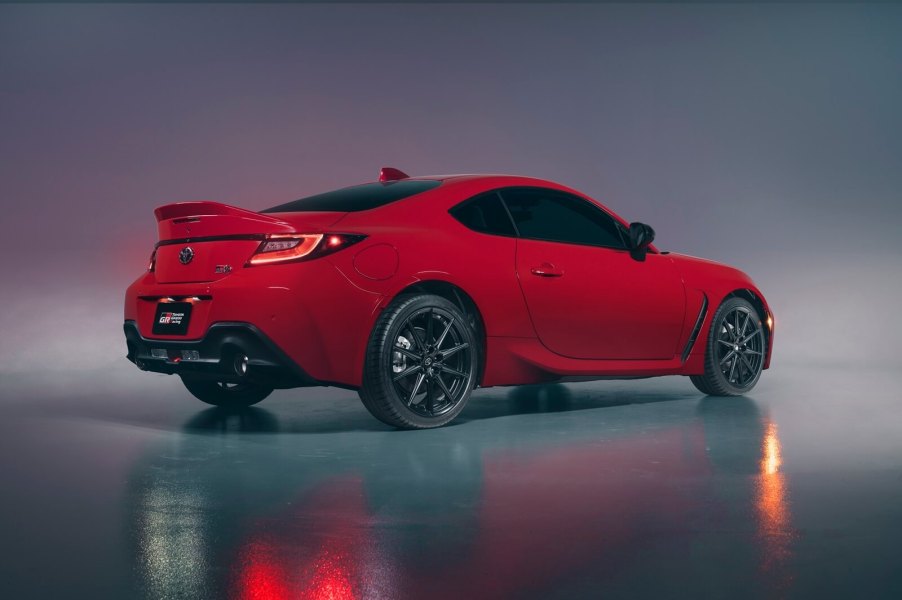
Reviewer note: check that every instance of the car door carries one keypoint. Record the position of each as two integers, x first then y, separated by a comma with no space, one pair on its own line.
587,297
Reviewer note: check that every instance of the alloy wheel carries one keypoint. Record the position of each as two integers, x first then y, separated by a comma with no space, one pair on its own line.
740,347
431,362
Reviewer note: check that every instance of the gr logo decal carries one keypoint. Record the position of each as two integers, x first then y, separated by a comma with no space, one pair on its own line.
171,318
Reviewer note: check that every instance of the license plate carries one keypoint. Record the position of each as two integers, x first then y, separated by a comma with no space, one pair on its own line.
171,318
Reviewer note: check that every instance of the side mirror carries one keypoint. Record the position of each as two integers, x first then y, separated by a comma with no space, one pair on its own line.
641,235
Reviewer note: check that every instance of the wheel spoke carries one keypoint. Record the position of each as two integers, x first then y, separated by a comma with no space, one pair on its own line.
745,324
413,334
727,344
755,352
408,353
729,354
416,388
430,397
429,327
736,334
448,395
455,372
748,366
743,368
454,350
441,339
733,368
748,338
406,372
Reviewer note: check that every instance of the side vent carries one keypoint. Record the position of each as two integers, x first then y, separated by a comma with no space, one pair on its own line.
698,327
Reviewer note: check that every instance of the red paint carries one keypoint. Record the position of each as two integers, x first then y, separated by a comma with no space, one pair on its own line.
616,308
377,262
605,315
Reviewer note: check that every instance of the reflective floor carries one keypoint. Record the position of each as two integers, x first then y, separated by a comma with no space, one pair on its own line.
122,486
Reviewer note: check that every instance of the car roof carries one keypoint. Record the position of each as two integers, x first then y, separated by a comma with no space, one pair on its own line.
492,180
458,177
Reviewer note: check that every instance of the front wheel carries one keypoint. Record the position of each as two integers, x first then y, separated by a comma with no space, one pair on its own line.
735,352
421,363
227,395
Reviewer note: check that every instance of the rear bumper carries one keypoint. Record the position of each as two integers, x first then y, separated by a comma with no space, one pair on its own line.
214,356
309,311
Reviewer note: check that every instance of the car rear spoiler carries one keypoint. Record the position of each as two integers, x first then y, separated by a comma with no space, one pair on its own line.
204,218
204,208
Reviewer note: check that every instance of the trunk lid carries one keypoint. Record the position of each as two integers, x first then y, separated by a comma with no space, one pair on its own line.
206,241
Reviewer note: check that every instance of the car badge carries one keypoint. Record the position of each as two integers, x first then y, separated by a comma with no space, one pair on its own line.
186,255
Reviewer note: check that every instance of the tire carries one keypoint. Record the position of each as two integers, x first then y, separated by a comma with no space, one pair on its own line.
421,363
735,350
227,395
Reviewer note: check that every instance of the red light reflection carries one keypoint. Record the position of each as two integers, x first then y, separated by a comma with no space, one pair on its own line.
275,565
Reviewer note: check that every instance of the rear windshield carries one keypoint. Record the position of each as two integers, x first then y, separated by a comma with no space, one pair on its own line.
358,197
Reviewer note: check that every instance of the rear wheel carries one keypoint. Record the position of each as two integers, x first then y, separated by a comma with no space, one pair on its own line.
228,395
421,363
735,352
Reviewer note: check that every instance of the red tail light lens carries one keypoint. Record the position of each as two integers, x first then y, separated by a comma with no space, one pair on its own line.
279,249
294,247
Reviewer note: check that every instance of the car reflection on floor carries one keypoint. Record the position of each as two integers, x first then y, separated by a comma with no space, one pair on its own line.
526,506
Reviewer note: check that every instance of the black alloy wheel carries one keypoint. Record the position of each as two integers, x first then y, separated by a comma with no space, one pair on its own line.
421,363
735,353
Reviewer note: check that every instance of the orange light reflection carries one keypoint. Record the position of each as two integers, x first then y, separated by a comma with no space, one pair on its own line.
772,507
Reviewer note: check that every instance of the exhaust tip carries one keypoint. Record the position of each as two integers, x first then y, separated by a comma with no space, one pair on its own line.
240,364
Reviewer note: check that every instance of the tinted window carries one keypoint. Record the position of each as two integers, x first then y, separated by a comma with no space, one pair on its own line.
358,197
542,214
485,214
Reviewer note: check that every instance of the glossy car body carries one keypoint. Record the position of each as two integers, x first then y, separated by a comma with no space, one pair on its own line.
546,311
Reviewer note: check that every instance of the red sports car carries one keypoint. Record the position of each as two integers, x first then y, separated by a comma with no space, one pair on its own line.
416,290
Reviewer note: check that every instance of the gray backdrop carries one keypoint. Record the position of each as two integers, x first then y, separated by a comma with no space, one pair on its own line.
769,137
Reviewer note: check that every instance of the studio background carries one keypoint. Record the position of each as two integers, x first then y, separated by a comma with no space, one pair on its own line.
768,137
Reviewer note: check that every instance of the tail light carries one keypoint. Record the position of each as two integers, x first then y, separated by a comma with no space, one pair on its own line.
152,264
278,248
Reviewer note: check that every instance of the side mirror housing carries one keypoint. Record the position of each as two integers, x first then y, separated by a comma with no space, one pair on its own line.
641,236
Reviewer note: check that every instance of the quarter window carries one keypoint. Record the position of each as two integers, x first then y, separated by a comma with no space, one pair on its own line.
486,214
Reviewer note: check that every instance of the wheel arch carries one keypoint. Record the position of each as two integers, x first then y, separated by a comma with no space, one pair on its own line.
462,300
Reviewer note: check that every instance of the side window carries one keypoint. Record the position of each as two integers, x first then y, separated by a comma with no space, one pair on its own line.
542,214
484,213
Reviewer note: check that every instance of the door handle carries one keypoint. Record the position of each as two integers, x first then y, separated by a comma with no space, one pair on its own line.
546,270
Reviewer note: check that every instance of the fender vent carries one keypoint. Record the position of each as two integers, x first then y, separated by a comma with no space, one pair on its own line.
698,327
